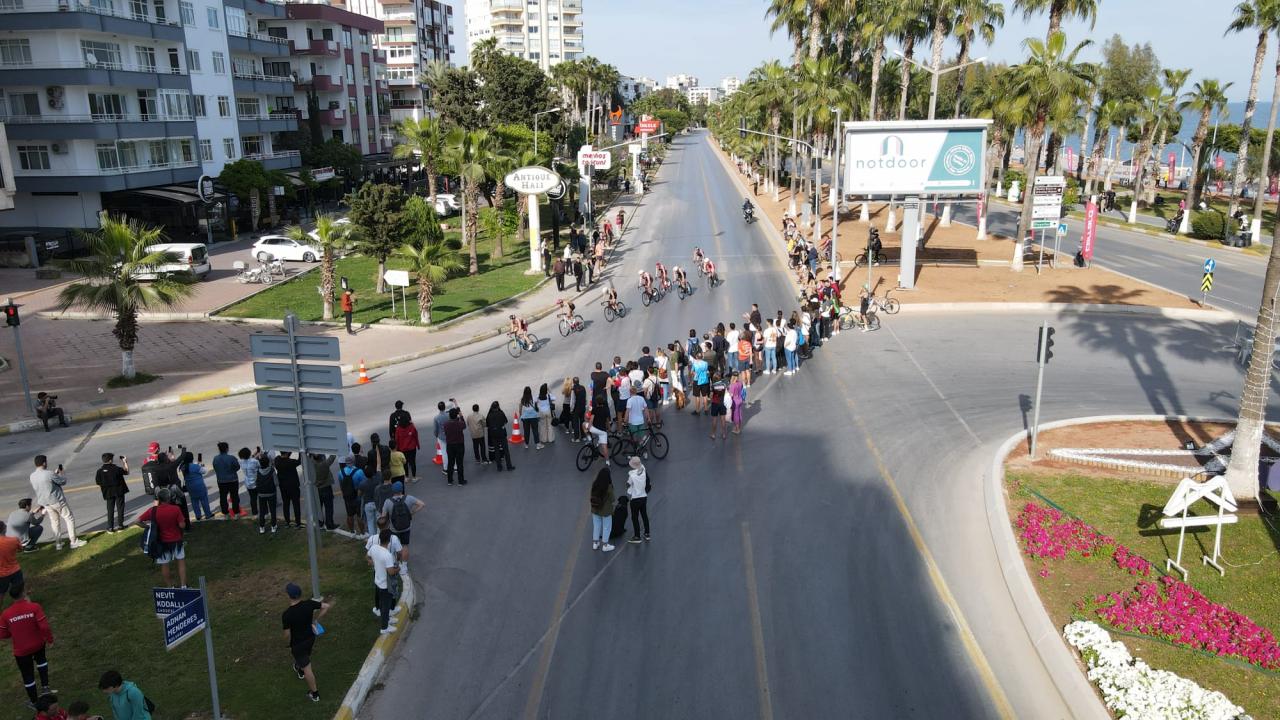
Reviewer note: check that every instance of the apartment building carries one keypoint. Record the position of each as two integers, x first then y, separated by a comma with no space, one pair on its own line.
703,94
416,34
545,32
118,104
682,83
729,85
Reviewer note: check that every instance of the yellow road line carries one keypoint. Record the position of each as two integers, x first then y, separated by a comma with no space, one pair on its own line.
757,628
173,421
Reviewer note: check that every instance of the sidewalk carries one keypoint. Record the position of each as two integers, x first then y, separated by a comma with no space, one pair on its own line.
199,360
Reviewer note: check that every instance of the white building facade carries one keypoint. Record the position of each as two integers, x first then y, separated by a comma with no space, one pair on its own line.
729,85
681,83
544,32
703,94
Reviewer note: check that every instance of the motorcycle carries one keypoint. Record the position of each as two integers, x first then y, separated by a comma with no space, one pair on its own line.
749,214
1171,226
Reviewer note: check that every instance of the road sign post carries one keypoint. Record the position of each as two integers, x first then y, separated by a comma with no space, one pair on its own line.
1206,281
22,359
1046,207
183,613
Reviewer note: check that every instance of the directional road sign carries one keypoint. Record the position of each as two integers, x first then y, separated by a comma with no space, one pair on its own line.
326,377
1206,283
1062,229
1209,265
168,600
309,347
184,622
319,436
322,405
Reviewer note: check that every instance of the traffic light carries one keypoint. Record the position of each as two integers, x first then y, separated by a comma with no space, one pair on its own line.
11,315
1044,348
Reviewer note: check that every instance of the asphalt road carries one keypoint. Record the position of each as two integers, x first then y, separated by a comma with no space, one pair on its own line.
784,579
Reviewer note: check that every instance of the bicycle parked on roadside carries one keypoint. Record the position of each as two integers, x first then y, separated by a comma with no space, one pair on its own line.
850,318
651,441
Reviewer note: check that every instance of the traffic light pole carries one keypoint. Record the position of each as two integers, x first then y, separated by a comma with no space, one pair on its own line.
22,364
1041,361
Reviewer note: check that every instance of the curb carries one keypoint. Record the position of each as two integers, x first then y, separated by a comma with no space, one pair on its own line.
117,410
1069,309
378,655
1058,660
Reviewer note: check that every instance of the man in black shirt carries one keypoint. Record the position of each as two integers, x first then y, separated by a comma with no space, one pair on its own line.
300,621
599,381
399,417
645,362
110,478
290,486
579,408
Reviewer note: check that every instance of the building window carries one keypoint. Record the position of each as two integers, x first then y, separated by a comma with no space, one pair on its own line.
197,105
247,107
213,17
219,63
146,58
336,135
184,150
106,106
138,9
159,151
193,61
100,54
235,21
147,104
224,106
364,74
394,34
175,67
229,148
285,103
206,150
108,156
15,51
251,145
24,104
277,68
33,157
346,38
351,74
176,104
243,66
188,12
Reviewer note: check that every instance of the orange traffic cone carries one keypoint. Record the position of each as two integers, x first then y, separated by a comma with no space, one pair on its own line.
364,374
439,454
517,436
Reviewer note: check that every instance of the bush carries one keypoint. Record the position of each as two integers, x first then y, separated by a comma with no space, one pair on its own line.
1207,225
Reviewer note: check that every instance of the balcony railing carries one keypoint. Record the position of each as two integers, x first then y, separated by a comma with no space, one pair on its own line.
94,118
272,155
274,115
400,15
259,76
258,36
94,171
405,104
37,6
74,64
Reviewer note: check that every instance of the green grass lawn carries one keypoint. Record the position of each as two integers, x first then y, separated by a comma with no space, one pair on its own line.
498,279
98,600
1128,511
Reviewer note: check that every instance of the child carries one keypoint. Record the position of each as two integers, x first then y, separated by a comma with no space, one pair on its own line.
79,710
47,708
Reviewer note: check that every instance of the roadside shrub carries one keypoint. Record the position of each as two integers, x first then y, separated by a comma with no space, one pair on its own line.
1207,225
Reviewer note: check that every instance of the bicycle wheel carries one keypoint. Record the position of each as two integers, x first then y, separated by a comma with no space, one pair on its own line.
892,306
623,309
873,321
565,328
847,319
645,299
860,260
610,314
881,258
533,343
681,292
658,445
586,455
513,348
620,448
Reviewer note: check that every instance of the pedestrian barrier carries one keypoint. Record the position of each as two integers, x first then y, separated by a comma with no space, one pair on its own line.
439,454
517,435
364,374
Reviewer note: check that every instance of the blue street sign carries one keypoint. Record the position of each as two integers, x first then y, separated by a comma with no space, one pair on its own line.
183,623
167,600
1062,229
1209,265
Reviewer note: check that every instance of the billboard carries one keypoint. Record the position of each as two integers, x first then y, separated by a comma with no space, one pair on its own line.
914,157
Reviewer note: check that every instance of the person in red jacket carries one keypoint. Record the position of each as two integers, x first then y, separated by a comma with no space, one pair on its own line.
25,623
406,438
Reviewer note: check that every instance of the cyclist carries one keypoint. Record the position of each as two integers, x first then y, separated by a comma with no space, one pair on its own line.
681,280
568,315
518,327
608,230
611,297
709,269
620,218
697,257
663,281
864,305
646,283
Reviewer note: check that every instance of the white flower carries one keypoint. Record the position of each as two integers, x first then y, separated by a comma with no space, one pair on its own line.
1133,690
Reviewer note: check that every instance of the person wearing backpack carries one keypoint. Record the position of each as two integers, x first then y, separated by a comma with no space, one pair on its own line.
399,510
350,478
127,701
266,487
601,500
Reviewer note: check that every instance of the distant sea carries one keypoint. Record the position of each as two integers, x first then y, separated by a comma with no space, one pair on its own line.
1234,116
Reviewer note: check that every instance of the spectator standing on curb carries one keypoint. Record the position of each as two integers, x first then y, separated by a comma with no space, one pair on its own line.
48,488
10,570
25,623
558,271
638,488
196,487
579,408
738,396
348,308
299,621
545,406
399,416
770,350
249,466
378,459
266,494
24,524
110,479
225,467
127,701
455,429
170,524
406,437
496,423
398,465
398,510
322,478
529,419
601,500
290,487
476,427
350,479
384,566
438,430
368,489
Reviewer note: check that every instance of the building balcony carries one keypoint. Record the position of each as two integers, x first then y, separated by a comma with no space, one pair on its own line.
400,16
249,83
263,8
380,57
571,21
403,81
108,179
96,127
327,48
382,84
81,72
322,83
72,15
278,121
251,43
507,5
403,104
278,160
571,6
336,117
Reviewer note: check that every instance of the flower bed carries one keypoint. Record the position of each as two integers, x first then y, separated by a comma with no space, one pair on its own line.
1134,690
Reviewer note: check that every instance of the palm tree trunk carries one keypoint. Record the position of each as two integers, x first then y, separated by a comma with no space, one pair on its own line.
1084,137
1242,471
1250,105
126,332
964,58
472,199
1034,134
326,283
904,82
877,62
935,60
1055,18
424,301
1095,158
431,181
501,205
1266,153
815,33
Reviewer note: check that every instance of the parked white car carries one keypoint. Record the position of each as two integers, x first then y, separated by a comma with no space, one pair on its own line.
188,258
446,204
281,247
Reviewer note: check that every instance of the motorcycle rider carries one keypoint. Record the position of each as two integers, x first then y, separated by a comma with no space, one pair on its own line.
748,210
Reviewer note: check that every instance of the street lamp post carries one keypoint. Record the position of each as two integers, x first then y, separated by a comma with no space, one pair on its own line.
836,197
535,127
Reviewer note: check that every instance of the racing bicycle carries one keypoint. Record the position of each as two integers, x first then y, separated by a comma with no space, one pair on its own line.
615,311
652,441
516,346
861,260
849,318
651,296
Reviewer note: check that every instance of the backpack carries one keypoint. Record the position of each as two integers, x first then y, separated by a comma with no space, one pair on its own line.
347,480
150,541
400,516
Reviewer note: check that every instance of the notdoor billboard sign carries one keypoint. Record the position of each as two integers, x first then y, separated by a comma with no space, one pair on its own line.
914,157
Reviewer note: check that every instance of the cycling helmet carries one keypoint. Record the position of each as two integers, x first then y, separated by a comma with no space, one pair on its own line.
511,317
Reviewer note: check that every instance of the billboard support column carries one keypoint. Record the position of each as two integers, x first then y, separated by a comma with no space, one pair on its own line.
946,214
910,231
535,235
891,221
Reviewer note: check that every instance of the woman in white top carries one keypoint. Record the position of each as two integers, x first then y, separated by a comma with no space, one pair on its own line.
770,347
543,404
790,342
638,492
661,362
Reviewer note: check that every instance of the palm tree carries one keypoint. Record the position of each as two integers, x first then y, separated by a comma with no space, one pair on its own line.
331,238
118,252
770,92
1104,116
1048,85
1262,16
973,19
1266,157
1058,10
469,153
423,139
1207,97
875,23
432,260
1150,115
911,29
993,100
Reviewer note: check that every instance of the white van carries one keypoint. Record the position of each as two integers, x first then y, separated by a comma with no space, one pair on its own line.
192,258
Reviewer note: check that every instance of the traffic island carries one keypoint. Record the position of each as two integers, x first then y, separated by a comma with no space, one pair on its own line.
98,599
1094,522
